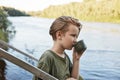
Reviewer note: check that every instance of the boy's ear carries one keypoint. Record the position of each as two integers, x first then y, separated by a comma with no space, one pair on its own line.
59,35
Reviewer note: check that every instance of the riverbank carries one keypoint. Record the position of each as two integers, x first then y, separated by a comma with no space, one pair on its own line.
90,10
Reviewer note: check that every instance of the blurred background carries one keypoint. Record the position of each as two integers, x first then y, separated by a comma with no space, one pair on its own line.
25,25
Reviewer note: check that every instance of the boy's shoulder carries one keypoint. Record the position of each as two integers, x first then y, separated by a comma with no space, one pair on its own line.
48,54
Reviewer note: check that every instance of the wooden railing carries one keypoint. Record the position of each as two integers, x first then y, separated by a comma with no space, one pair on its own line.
34,70
3,43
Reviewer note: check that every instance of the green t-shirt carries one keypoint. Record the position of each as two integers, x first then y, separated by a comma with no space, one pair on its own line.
55,65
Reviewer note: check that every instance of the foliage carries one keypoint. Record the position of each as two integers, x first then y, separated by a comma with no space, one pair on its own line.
89,10
3,36
4,22
34,13
13,12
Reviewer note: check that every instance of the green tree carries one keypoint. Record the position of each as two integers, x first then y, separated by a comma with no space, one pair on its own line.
13,12
4,22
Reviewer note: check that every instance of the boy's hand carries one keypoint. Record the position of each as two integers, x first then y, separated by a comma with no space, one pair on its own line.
76,55
75,68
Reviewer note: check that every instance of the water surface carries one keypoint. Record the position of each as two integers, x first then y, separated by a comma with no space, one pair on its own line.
101,60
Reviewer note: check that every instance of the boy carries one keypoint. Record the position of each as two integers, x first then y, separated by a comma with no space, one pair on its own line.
64,31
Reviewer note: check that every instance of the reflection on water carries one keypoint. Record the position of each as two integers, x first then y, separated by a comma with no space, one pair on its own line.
99,62
6,35
11,32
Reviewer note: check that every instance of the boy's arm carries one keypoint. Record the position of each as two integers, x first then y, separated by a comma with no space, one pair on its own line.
76,61
75,69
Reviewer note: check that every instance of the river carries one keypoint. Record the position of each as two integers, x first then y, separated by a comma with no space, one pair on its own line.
101,60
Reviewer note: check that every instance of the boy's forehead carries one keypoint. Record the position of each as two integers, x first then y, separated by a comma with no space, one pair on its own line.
73,29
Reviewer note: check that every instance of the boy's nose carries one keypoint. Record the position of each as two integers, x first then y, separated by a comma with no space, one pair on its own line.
75,40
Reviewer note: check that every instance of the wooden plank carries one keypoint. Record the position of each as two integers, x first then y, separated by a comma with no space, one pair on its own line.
7,45
38,72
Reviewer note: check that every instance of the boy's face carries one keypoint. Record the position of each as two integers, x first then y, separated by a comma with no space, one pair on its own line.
70,37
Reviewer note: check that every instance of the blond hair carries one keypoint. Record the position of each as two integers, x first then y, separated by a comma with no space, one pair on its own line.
62,23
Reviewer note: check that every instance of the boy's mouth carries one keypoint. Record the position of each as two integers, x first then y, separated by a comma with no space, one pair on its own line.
74,45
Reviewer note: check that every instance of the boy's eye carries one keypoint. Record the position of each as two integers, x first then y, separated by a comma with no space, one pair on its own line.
73,35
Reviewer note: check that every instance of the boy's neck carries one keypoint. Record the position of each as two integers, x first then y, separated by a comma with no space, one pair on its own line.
58,50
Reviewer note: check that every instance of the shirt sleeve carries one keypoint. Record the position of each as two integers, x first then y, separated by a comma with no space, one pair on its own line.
80,78
44,64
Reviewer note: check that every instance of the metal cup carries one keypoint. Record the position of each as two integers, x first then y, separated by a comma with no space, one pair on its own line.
80,46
